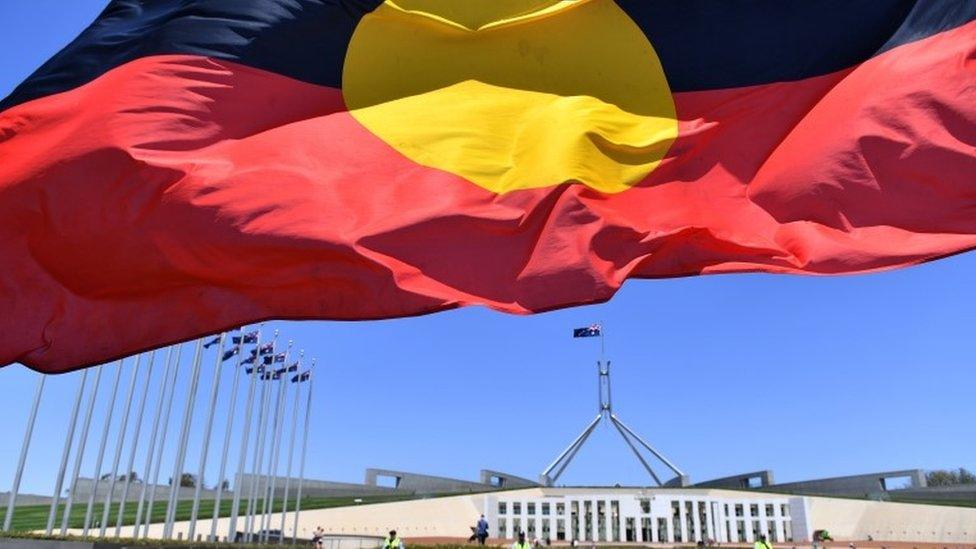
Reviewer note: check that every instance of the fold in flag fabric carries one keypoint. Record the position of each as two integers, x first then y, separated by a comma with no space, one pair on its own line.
301,377
185,167
590,331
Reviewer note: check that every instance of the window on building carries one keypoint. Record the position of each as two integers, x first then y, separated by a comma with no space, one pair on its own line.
516,526
740,531
647,535
784,510
738,509
561,529
771,531
545,509
788,530
676,520
690,522
756,530
530,508
516,508
704,534
662,530
726,509
615,520
545,529
501,528
601,520
530,528
502,508
630,530
574,520
560,509
754,510
588,520
770,511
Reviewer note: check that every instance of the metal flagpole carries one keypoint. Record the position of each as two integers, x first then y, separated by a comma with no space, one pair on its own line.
147,470
191,397
242,457
80,454
59,481
275,449
227,432
158,460
118,447
135,444
28,432
205,447
101,451
291,449
301,468
258,461
65,453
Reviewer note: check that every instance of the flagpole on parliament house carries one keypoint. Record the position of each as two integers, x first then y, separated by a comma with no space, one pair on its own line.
120,443
80,453
301,467
66,452
258,461
297,380
22,460
242,456
227,435
176,482
158,460
150,450
205,445
135,443
96,478
267,507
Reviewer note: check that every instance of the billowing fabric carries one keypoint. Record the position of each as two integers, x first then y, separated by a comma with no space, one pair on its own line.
183,167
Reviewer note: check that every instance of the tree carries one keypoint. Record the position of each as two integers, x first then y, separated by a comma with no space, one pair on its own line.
225,485
187,480
966,476
942,477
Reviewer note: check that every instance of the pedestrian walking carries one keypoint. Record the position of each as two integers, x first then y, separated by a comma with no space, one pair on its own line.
521,543
481,530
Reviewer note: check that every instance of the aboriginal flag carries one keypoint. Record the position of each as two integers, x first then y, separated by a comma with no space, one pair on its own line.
184,167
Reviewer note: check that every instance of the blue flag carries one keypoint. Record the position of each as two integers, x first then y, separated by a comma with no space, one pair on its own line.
212,342
231,352
590,331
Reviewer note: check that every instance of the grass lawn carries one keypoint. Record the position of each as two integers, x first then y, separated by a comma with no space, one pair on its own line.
34,517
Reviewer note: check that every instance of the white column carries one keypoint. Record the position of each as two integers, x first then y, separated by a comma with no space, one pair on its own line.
696,523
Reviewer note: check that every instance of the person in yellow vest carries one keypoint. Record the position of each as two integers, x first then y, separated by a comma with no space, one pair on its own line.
392,541
521,543
761,543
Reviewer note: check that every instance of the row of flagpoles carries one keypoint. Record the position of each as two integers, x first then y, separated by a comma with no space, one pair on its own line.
268,375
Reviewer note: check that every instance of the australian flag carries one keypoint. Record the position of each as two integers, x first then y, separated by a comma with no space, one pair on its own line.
266,349
231,352
275,359
301,377
259,368
249,360
249,337
212,342
292,368
593,330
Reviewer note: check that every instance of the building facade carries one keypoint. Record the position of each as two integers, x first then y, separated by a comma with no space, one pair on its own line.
646,516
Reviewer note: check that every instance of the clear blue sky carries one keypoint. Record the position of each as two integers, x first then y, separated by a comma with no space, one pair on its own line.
806,376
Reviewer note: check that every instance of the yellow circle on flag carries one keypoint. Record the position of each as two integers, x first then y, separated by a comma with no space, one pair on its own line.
513,94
